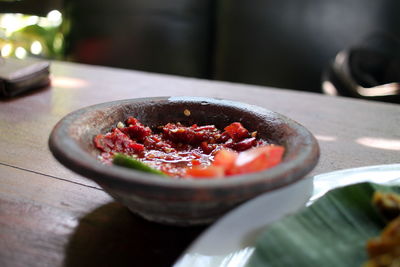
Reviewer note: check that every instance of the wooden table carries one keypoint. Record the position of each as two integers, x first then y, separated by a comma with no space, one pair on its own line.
50,216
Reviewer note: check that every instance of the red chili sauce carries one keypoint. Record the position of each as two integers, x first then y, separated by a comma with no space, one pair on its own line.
173,148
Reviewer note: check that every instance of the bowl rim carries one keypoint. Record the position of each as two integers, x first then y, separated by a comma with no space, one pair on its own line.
80,161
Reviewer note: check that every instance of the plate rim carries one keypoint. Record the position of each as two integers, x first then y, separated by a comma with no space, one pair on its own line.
220,222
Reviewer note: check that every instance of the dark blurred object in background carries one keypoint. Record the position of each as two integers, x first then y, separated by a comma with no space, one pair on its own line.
286,43
30,7
283,43
174,36
369,70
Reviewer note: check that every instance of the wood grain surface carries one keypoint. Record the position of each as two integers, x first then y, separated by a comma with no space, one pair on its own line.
50,216
46,221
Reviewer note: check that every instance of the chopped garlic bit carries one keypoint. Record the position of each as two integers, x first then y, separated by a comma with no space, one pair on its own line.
186,112
168,149
120,125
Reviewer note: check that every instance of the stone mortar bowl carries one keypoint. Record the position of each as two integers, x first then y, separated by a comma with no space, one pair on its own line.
181,201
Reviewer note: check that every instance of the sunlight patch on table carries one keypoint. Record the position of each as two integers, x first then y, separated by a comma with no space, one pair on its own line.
329,89
382,143
67,82
326,138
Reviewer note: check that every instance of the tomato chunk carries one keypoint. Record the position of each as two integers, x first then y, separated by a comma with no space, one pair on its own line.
205,172
225,158
257,159
236,131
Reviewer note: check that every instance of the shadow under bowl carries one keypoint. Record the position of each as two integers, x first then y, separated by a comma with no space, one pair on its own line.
181,201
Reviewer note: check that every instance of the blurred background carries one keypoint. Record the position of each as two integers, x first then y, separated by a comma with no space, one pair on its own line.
286,44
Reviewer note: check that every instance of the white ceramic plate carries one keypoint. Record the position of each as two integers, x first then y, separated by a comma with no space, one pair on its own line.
230,241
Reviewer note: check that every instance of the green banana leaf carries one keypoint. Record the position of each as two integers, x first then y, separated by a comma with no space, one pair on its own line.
331,232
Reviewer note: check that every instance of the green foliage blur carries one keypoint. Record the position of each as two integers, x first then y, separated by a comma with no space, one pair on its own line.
32,36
